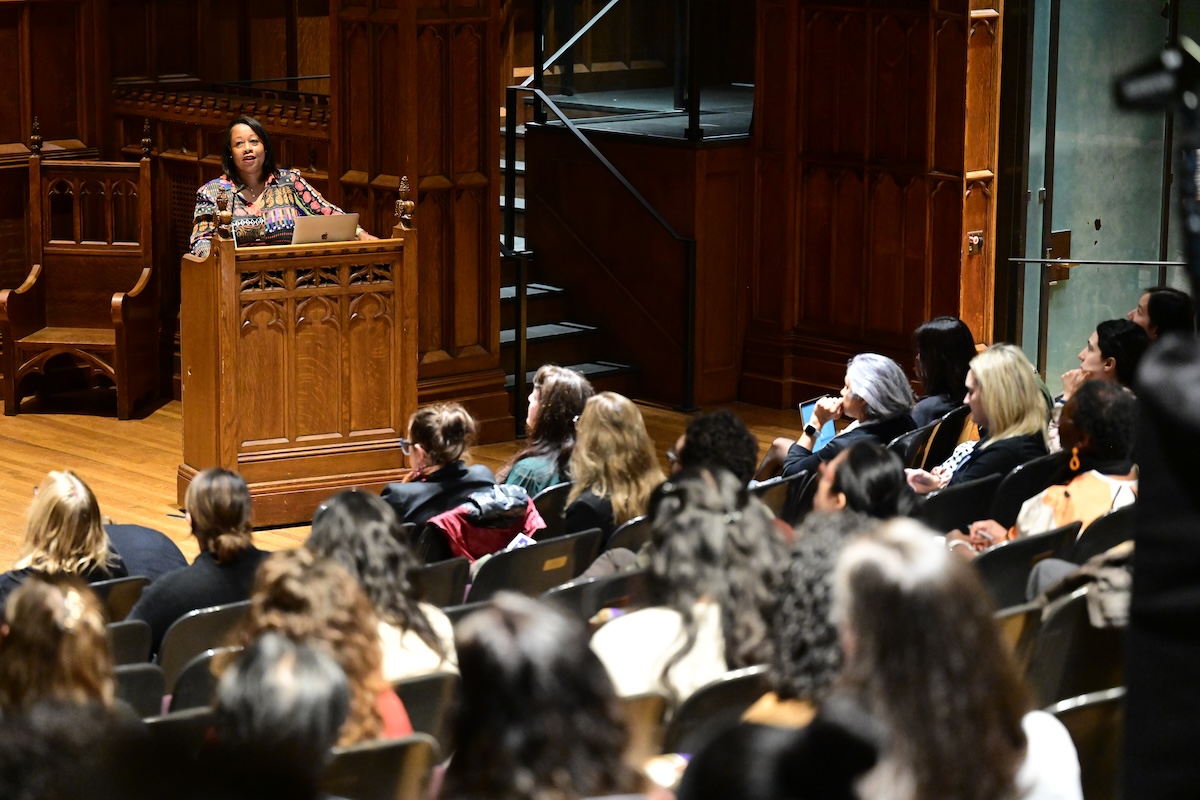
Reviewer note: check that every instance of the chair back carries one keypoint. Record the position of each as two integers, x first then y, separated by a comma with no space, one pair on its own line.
196,684
185,732
534,569
1023,482
583,598
130,641
956,507
195,632
1103,534
631,535
1005,568
946,435
142,686
774,492
405,533
1096,722
1019,625
458,612
911,446
430,701
119,595
713,709
551,503
442,583
1071,657
393,769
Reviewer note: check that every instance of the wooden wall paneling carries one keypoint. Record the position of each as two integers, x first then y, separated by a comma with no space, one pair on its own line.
885,290
129,41
177,48
57,61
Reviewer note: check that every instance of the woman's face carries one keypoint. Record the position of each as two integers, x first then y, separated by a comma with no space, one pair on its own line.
1094,365
974,399
853,406
1141,314
826,499
417,458
248,151
535,407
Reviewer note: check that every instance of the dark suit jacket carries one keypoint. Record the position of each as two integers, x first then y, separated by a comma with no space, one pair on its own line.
999,458
801,458
449,487
145,551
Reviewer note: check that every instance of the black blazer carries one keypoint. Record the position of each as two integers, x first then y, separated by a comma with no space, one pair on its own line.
449,487
999,458
801,458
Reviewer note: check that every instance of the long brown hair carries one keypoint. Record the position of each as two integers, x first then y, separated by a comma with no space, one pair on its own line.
218,505
926,657
315,599
562,394
55,646
63,531
614,456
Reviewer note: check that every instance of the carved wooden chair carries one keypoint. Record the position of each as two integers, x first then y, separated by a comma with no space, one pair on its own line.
91,292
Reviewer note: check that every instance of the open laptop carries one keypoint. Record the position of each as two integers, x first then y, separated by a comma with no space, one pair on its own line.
321,228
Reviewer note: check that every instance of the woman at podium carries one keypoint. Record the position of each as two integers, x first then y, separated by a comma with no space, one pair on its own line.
263,199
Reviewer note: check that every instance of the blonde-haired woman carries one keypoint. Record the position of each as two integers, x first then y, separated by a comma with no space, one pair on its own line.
1010,409
438,438
613,465
63,534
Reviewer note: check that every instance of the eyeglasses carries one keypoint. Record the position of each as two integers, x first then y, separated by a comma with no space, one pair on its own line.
406,446
672,456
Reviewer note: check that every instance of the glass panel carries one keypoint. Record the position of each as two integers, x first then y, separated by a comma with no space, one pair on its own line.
1107,171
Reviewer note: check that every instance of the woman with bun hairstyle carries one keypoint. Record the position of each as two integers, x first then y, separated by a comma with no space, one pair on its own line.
438,438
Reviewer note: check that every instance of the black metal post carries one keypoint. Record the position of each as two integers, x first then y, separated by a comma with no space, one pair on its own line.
564,28
1048,202
694,132
1164,214
539,59
510,168
520,395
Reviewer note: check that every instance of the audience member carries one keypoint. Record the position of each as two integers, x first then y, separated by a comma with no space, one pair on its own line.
63,534
310,599
865,477
54,646
614,466
538,717
145,551
714,566
1097,428
359,531
1112,353
1010,409
555,403
924,655
877,398
438,438
945,347
719,440
218,511
807,656
1162,310
263,199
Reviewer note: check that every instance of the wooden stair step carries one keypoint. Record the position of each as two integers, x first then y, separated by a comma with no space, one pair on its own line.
553,331
531,290
592,370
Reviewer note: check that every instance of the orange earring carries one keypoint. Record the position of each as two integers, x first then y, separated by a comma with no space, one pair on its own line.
1074,464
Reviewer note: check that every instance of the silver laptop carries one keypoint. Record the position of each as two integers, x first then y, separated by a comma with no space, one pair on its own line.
321,228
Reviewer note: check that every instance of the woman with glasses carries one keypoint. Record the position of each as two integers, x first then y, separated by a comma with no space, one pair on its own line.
438,438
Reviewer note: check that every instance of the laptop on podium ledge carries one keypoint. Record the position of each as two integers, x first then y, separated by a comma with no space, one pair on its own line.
321,228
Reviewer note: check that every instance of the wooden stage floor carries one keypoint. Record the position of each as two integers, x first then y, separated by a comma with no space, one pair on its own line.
131,464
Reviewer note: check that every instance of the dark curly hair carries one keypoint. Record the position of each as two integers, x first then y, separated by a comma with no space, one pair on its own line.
930,663
808,657
538,718
562,394
720,440
945,347
1125,341
872,479
1106,413
359,530
714,540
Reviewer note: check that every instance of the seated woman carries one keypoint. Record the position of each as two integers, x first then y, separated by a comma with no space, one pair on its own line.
1112,353
359,531
1098,428
438,438
865,477
1007,404
63,534
54,647
714,567
218,511
315,600
905,607
263,199
1162,310
876,396
614,466
944,348
558,397
538,716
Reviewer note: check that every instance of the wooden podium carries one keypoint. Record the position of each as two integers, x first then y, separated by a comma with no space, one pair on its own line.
299,368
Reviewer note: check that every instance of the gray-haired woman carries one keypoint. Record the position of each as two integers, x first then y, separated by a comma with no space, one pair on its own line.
876,397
